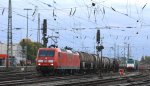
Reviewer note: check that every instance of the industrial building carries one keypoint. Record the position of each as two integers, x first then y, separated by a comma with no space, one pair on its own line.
17,52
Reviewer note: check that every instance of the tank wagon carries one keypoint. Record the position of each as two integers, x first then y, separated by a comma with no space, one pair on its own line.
56,60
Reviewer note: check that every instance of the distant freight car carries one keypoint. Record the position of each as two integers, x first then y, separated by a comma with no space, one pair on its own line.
87,62
3,59
56,60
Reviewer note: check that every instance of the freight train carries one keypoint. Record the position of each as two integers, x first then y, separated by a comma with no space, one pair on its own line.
56,60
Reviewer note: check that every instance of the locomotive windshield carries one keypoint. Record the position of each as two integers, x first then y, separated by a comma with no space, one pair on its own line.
49,53
130,61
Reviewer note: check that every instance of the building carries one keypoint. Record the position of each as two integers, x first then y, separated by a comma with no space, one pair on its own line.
17,51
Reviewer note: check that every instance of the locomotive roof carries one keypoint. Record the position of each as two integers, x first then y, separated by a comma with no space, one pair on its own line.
59,49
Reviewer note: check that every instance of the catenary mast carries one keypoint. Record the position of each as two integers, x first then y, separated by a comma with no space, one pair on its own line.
9,33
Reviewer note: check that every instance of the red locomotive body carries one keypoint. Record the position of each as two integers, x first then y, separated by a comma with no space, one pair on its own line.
55,60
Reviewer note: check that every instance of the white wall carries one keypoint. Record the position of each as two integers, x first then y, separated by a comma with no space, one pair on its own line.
16,51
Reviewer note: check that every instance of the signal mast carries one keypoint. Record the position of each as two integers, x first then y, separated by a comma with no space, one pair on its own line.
99,48
45,37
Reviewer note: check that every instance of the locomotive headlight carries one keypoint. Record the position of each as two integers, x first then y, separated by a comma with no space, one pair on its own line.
52,64
40,60
39,64
50,60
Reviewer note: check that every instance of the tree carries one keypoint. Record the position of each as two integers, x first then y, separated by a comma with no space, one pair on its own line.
145,59
32,48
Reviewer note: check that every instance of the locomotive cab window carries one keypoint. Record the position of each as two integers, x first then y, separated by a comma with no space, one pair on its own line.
130,61
49,53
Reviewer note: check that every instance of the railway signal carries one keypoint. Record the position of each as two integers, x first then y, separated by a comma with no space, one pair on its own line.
45,39
98,36
45,27
99,48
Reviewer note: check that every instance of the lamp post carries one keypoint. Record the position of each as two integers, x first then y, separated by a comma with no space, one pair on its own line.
27,9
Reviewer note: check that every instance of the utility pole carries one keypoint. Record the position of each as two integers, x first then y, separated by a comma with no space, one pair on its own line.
115,50
9,34
128,51
98,42
118,52
124,61
27,9
124,50
101,58
38,31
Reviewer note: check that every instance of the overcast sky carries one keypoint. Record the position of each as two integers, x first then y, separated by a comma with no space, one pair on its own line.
121,22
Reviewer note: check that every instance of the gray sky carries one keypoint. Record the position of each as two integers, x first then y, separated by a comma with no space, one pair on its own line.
112,17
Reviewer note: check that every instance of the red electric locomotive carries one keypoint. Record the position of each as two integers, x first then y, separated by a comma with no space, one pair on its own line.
50,60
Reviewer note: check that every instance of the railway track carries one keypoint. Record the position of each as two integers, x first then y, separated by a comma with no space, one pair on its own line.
145,81
6,76
88,80
29,79
23,81
3,69
40,79
96,81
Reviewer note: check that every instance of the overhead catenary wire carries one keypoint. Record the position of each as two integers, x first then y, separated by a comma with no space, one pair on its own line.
115,10
59,23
